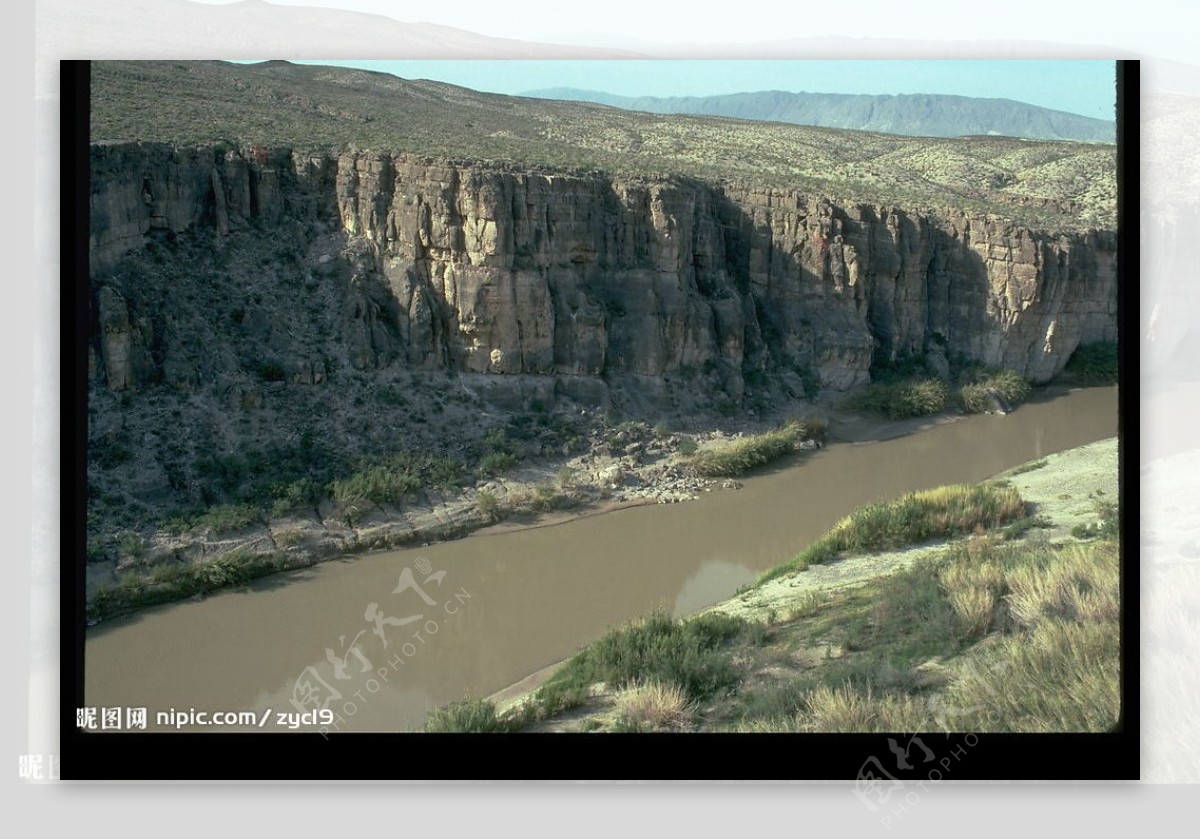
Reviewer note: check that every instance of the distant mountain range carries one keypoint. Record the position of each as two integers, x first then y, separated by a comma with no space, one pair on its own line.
915,115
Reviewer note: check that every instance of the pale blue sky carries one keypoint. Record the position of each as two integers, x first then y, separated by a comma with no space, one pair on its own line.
1081,87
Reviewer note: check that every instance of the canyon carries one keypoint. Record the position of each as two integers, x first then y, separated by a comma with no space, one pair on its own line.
311,272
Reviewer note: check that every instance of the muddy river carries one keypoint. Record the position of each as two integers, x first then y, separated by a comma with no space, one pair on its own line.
378,639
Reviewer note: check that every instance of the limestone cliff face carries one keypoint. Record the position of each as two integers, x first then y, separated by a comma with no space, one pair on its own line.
476,269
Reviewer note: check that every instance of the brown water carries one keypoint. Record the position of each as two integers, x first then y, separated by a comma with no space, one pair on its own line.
511,603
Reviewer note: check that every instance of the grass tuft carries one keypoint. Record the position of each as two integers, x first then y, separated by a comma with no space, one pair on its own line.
653,707
469,715
748,453
914,518
897,400
183,580
688,655
975,395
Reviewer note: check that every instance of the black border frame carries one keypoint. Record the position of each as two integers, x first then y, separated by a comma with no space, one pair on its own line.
357,756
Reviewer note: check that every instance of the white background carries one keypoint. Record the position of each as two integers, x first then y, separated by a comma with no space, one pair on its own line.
30,422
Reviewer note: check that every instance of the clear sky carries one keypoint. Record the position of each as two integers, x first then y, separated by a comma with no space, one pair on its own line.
1081,87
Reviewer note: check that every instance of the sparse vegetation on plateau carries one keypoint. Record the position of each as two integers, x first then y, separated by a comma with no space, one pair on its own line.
1043,183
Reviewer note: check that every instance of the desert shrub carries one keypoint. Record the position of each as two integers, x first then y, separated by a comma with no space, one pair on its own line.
129,546
1030,467
755,451
487,503
468,715
293,496
495,463
975,395
906,398
686,654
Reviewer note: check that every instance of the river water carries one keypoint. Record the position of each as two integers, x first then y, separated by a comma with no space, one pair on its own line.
378,646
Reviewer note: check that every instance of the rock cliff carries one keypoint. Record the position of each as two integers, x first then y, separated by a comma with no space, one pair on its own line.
583,282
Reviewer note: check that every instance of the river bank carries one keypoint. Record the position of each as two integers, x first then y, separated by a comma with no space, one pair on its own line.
629,465
537,594
829,647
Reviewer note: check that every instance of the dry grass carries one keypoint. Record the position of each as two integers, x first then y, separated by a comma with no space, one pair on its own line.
1056,666
841,709
1062,677
1083,585
653,707
992,635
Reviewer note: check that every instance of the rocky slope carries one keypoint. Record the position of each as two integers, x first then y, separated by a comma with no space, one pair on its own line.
585,279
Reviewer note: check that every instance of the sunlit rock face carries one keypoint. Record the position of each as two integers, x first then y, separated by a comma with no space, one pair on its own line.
476,269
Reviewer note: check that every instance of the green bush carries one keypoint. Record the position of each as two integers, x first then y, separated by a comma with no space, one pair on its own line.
293,496
172,582
487,504
1030,467
379,484
657,648
129,546
912,519
392,479
1107,526
495,463
223,518
469,715
975,395
897,400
